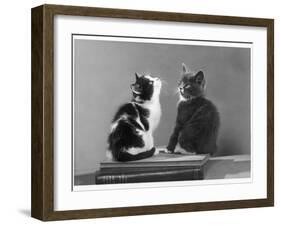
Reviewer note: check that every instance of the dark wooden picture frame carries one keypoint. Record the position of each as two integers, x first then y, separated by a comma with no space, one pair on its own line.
42,203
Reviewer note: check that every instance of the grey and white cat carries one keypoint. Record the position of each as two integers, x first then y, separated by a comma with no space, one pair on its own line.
197,122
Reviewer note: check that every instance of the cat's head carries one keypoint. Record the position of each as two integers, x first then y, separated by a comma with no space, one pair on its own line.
146,88
191,84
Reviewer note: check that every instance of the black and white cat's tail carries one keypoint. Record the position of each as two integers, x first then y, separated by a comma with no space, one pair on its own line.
124,156
118,152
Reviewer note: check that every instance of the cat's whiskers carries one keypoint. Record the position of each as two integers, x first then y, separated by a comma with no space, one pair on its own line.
176,91
165,84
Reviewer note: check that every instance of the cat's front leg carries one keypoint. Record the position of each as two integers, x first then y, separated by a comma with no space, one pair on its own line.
174,139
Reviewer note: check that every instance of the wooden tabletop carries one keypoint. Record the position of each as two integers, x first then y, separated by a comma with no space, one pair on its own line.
234,166
221,167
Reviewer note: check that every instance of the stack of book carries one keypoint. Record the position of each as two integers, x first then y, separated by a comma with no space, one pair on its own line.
162,167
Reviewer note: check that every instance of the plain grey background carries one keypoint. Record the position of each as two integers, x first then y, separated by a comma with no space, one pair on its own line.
104,71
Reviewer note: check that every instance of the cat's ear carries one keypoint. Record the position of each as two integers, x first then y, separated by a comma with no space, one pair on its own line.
184,68
199,77
137,76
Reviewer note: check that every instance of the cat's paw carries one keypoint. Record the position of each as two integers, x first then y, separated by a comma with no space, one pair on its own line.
163,150
157,151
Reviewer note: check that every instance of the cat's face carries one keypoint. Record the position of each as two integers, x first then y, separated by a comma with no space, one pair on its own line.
146,88
191,84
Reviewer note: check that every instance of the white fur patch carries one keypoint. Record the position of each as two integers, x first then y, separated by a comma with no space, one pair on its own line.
183,151
154,113
113,126
136,92
153,105
108,155
115,123
148,143
157,86
150,78
181,98
139,122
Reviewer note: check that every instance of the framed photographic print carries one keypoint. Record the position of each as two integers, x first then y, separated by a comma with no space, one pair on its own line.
141,112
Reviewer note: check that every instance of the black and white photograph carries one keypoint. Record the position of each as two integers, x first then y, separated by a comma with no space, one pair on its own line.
159,110
147,112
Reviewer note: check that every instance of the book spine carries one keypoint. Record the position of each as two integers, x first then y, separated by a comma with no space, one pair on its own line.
173,175
135,170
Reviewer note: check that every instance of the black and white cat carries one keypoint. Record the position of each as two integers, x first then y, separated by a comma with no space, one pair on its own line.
198,120
131,135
